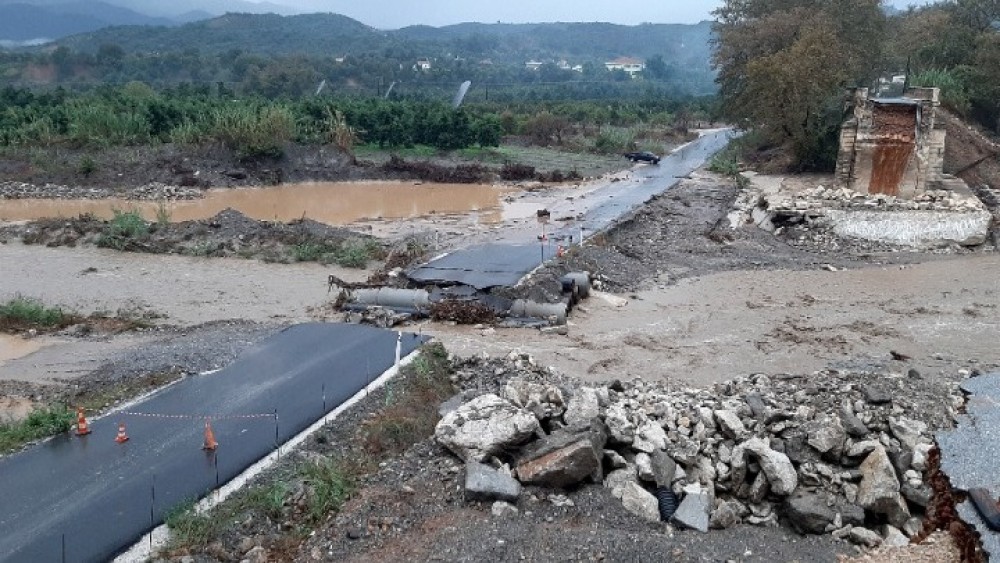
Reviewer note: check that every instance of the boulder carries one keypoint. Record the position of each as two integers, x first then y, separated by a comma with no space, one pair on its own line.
726,515
583,407
908,432
485,483
619,478
827,436
694,511
485,426
879,489
649,438
864,536
644,464
892,537
852,424
620,426
544,401
664,468
683,450
502,509
776,466
730,424
562,459
638,501
808,513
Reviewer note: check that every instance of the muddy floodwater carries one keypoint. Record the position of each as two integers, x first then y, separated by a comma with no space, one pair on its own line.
333,203
13,347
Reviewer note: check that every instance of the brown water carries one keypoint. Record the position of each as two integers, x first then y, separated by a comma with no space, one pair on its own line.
13,347
888,167
333,203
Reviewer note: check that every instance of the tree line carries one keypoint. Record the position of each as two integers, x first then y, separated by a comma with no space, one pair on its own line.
784,66
255,126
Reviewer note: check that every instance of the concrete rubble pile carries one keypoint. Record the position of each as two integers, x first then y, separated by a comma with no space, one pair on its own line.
845,198
932,219
831,453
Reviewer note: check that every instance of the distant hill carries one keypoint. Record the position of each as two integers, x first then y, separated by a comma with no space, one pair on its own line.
20,22
332,34
313,34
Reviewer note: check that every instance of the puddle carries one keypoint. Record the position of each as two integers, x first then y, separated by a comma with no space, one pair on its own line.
14,347
333,203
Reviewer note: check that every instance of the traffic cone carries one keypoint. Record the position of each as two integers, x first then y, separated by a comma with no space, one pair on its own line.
210,443
122,436
82,428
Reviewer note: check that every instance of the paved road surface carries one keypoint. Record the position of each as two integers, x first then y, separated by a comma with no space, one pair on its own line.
86,499
516,253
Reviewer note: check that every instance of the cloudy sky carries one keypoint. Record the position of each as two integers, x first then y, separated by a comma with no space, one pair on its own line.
388,14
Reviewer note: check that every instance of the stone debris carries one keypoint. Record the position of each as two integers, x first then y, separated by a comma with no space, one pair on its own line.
154,191
483,482
485,426
833,218
826,453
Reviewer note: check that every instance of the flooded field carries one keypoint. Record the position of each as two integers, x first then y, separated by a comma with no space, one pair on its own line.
334,203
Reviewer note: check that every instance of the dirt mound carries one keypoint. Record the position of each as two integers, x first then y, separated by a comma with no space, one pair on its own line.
970,154
229,233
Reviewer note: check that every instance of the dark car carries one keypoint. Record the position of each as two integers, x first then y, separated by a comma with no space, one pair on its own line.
643,156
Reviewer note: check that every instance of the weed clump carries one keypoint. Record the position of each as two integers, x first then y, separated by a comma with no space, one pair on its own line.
40,423
24,313
123,230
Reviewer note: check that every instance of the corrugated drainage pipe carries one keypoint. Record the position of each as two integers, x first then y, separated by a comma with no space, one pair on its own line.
555,312
667,501
582,281
392,297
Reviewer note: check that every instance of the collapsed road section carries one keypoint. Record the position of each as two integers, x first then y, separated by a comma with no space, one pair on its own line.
462,283
85,498
505,262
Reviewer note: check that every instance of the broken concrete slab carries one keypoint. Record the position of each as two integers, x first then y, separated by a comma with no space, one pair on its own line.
970,453
483,482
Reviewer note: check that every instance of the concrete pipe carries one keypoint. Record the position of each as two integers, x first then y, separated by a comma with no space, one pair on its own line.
582,281
393,298
554,312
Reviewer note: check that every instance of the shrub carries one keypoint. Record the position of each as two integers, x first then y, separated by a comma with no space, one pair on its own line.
253,133
40,423
87,166
23,313
513,172
123,229
614,140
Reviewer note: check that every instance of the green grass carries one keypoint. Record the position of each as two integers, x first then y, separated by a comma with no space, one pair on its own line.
40,423
23,313
124,228
329,484
191,528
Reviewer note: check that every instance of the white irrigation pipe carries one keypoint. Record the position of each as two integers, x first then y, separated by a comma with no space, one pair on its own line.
144,549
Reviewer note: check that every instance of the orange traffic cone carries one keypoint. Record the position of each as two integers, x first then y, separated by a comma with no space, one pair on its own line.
210,443
122,436
82,428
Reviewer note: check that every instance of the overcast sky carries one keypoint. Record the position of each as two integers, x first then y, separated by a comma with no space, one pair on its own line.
391,14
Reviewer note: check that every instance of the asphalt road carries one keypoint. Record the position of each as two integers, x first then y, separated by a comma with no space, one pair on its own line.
507,260
88,498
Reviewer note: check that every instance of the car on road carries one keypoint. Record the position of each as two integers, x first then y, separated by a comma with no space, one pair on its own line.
643,156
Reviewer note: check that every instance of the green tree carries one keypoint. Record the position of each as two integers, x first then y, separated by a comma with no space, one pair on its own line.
783,67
